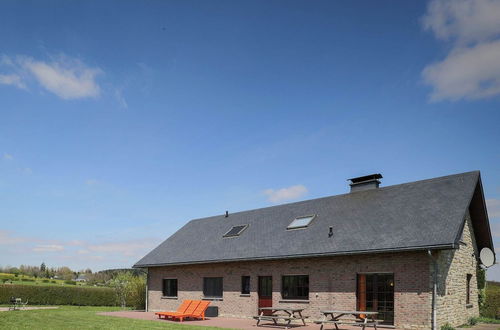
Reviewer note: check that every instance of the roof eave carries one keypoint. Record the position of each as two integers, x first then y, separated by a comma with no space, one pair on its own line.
311,255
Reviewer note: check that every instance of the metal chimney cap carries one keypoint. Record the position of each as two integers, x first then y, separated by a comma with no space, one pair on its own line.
370,177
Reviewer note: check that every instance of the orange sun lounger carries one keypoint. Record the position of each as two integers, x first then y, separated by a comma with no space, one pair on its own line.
199,312
181,316
182,309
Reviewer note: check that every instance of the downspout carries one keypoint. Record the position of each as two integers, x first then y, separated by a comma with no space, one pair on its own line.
434,289
147,283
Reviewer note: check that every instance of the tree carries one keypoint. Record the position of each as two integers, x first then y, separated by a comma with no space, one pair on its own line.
119,283
15,271
43,267
130,289
65,273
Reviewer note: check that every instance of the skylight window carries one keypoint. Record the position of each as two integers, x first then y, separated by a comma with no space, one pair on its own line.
235,231
301,222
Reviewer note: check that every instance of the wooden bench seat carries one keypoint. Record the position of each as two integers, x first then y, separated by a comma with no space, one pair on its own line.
346,322
275,318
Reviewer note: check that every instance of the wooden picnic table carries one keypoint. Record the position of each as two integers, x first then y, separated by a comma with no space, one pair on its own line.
336,317
287,314
16,303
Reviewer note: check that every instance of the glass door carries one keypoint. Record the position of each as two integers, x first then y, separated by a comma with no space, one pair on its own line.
375,292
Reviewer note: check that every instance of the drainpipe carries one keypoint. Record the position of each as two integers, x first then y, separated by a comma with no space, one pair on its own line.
434,289
147,282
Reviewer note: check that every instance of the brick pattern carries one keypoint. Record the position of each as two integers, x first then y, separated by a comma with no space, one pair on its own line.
454,265
332,284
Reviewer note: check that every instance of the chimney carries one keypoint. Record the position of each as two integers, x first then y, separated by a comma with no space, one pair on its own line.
227,214
365,182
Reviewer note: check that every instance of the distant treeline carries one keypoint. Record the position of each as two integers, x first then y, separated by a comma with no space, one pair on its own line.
65,273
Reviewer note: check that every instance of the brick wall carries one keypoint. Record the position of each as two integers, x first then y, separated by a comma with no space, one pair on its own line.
454,265
332,284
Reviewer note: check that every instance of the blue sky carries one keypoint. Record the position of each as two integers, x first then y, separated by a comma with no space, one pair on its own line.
120,121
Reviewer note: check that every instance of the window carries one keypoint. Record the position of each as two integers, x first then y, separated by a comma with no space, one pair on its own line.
245,285
170,287
301,222
467,298
295,287
235,231
212,287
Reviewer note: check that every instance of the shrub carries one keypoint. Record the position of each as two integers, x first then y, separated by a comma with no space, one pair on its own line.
59,295
27,280
45,281
130,290
472,321
492,302
70,282
52,281
447,326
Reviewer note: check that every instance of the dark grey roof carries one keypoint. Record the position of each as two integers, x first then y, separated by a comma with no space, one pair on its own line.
416,215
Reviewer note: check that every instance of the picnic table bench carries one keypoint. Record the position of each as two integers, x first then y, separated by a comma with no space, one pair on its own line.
16,303
288,315
356,318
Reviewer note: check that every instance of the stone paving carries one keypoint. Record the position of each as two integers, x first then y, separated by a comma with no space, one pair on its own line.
234,323
221,322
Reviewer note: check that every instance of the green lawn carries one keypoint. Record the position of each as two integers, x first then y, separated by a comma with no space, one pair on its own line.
72,317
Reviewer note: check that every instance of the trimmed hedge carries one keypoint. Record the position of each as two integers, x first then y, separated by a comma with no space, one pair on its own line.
491,306
58,295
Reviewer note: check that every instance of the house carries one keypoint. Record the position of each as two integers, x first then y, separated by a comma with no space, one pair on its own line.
81,278
409,251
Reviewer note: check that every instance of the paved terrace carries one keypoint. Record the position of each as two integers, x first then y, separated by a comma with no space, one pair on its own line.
221,322
233,323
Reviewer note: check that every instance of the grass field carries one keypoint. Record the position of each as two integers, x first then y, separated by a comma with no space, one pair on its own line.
28,280
70,317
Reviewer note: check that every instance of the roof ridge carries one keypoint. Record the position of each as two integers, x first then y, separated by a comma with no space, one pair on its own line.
440,178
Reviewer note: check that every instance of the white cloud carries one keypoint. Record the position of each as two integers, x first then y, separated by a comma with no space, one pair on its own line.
463,20
128,248
91,182
120,99
13,80
6,238
471,70
493,206
66,77
7,156
466,73
48,248
285,194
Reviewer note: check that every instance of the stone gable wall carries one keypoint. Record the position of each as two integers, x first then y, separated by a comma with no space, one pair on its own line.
454,265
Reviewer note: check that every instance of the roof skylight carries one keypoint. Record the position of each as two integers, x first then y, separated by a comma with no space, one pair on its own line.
235,231
301,222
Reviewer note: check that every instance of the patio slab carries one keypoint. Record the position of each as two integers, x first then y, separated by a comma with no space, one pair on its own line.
248,324
221,322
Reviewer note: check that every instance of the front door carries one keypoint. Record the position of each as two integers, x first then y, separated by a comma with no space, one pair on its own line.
265,292
376,293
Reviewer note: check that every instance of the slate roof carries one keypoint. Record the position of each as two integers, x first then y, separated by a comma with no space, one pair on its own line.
411,216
